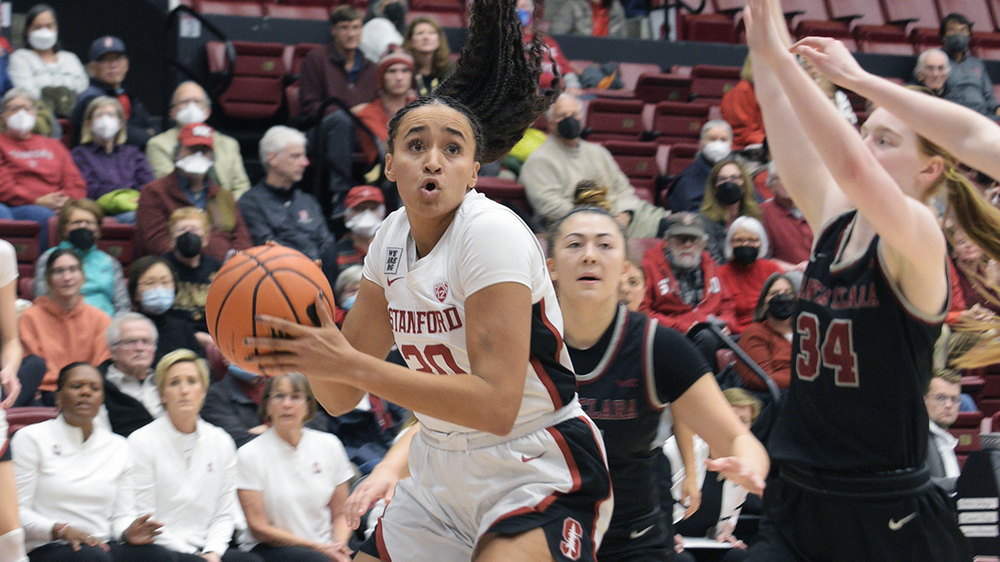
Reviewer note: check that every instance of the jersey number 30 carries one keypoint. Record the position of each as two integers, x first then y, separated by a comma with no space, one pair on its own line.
428,359
835,350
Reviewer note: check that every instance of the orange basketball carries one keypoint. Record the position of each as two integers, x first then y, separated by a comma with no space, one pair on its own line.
272,280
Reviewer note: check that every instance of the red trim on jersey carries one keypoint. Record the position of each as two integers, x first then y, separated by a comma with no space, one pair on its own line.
546,381
383,552
552,328
597,506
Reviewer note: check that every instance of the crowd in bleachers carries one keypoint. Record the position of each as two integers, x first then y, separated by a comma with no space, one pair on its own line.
117,229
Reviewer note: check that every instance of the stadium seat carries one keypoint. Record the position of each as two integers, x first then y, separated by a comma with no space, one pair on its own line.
657,87
710,82
245,8
24,236
681,156
717,28
834,29
968,439
920,15
614,119
257,88
883,40
319,13
117,239
855,12
28,415
973,385
503,191
328,4
678,122
637,160
798,12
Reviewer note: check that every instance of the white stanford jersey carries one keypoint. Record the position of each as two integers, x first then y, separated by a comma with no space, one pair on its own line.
486,244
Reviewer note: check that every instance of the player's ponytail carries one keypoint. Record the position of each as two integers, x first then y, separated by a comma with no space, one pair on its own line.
589,193
979,219
495,81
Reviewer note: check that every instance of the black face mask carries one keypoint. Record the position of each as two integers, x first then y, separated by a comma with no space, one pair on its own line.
82,238
188,244
745,255
728,193
569,128
781,306
955,43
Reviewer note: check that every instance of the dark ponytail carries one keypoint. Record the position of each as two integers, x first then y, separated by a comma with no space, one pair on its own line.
495,84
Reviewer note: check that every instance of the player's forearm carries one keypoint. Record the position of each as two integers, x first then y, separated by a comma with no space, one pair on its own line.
752,452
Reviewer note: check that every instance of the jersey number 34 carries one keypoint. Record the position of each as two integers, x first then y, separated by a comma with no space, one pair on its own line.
834,350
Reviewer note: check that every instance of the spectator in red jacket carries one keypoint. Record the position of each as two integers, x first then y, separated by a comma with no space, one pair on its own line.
37,173
682,284
191,185
768,340
747,267
740,109
787,230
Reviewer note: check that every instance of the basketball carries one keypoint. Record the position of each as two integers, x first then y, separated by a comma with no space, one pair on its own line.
272,280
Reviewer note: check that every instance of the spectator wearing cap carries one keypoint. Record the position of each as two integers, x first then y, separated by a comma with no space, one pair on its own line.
107,69
190,104
191,184
968,82
682,284
37,173
395,90
364,211
275,211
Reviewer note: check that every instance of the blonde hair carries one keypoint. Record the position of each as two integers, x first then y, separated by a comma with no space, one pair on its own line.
590,193
86,135
740,397
180,356
184,213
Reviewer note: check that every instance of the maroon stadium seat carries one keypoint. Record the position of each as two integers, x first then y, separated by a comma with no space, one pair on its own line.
710,82
679,123
614,119
257,88
653,88
28,415
503,191
637,160
319,13
245,8
24,236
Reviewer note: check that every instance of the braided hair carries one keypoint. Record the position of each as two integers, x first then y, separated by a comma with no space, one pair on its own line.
495,84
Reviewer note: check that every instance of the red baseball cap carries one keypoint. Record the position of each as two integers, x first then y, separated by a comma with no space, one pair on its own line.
197,134
361,194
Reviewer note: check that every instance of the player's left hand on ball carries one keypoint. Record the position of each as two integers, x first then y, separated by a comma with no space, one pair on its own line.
310,350
738,471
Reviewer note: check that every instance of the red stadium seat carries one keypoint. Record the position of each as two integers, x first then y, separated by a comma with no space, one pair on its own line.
328,4
245,8
716,28
969,420
614,119
679,122
24,236
973,385
117,240
503,191
855,12
709,82
656,87
637,161
798,12
257,88
968,439
28,415
978,12
681,156
318,13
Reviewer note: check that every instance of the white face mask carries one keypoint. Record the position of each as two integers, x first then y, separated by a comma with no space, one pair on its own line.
22,121
42,39
365,223
192,113
196,164
716,150
106,126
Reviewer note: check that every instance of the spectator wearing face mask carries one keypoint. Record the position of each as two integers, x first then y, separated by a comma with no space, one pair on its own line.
551,173
768,339
190,104
107,68
715,144
747,267
364,210
79,228
152,286
729,194
968,82
42,67
346,289
113,170
191,184
195,269
37,173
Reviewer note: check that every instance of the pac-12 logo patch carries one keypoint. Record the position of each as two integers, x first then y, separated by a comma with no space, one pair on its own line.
571,544
441,290
392,257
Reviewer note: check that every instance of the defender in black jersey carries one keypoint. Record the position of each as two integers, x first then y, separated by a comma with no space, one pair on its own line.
628,370
850,442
